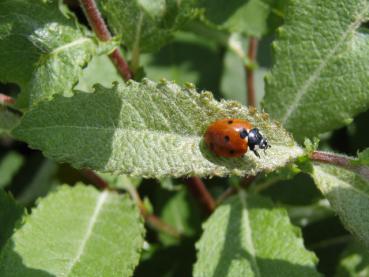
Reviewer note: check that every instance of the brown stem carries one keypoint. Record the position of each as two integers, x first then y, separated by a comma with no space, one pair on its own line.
154,221
245,183
199,191
6,99
121,65
98,25
151,219
95,179
226,194
250,79
158,224
332,158
341,161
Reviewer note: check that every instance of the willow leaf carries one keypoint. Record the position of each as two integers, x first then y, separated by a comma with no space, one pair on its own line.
348,194
147,129
247,236
41,50
76,232
320,79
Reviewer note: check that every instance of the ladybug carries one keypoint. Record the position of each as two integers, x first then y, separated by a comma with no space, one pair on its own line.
231,137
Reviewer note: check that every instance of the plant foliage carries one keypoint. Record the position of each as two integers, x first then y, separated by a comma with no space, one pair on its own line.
86,156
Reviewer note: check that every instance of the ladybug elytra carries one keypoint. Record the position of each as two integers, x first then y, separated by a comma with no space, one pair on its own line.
231,137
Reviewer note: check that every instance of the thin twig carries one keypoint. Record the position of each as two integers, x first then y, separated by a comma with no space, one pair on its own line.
332,158
250,79
200,192
95,179
226,194
331,242
245,183
98,25
151,219
6,99
341,161
154,221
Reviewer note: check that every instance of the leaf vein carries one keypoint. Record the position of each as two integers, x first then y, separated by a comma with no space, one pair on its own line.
99,204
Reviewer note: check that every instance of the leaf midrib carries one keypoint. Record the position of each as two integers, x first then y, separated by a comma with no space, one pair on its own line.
100,201
324,62
193,137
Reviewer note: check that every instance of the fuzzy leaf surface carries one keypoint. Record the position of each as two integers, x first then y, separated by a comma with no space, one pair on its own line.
147,25
76,231
248,236
41,50
320,79
348,194
148,129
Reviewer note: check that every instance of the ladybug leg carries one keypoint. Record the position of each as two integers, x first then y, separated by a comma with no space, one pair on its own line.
252,148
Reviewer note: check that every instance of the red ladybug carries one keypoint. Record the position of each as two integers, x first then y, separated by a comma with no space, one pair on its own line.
231,137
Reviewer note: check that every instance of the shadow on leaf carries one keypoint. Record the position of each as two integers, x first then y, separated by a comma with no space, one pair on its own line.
12,264
244,163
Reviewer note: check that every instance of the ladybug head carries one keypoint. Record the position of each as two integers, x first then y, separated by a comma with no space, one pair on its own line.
257,141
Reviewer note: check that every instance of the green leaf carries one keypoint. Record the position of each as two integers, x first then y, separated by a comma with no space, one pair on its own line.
320,79
354,262
41,50
240,16
8,120
10,213
100,70
9,166
147,129
76,232
146,25
348,194
363,158
247,236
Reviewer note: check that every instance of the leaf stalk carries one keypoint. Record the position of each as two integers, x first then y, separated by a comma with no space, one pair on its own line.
101,30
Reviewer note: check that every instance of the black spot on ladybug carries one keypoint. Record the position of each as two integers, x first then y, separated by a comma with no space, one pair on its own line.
212,146
230,121
226,138
243,133
231,152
